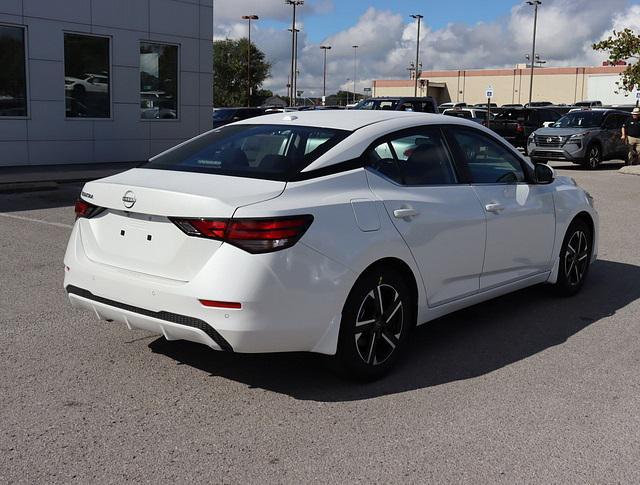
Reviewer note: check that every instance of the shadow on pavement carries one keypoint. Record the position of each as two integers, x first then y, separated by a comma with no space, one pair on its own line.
466,344
604,166
64,195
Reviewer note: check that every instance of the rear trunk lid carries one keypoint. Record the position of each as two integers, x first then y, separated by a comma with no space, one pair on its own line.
135,231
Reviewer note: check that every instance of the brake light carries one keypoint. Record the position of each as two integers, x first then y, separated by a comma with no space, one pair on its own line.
85,209
519,128
255,236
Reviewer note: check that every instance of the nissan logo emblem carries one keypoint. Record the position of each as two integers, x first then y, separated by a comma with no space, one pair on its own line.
549,140
129,199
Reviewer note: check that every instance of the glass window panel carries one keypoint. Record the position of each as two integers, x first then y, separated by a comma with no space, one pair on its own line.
489,163
86,76
13,79
158,81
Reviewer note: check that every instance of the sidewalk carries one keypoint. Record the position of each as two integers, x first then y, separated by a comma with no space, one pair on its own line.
630,170
44,176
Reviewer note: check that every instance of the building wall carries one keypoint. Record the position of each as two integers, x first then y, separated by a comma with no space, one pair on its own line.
47,136
558,85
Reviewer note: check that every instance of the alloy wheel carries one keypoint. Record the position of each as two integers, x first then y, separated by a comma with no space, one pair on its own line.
594,157
379,324
576,258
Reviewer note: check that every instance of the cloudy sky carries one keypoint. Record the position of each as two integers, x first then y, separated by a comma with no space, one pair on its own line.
455,34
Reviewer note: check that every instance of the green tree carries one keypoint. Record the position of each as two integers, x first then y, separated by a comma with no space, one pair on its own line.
623,46
230,72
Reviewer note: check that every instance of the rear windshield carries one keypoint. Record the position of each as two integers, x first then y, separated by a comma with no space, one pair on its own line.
513,115
273,152
223,114
580,119
375,104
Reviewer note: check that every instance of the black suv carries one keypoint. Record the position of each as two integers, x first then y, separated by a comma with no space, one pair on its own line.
223,116
424,104
516,124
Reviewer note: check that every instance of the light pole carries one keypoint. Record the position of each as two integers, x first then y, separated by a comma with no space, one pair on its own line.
418,17
348,90
534,4
294,84
294,4
325,48
249,18
355,71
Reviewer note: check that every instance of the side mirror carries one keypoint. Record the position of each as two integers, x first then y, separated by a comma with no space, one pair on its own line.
544,174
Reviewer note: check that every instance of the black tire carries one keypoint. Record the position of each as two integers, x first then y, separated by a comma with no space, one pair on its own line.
594,156
371,340
575,258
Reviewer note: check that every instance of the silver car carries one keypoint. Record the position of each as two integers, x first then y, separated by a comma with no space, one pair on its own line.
586,137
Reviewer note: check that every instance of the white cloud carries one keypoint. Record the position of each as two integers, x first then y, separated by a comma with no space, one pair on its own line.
566,30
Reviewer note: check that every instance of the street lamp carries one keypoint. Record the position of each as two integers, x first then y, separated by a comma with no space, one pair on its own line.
419,18
295,64
355,71
535,4
325,48
249,18
348,90
294,4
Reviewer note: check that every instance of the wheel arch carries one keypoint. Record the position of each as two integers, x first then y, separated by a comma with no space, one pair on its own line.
405,271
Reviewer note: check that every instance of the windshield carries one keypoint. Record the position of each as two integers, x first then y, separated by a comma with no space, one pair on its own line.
374,104
580,119
223,114
512,115
273,152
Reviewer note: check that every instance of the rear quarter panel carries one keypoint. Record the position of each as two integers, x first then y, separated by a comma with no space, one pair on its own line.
335,231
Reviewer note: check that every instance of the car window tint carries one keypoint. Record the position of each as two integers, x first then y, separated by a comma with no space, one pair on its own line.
381,159
423,158
488,161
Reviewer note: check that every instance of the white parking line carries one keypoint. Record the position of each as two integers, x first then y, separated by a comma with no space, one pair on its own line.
30,219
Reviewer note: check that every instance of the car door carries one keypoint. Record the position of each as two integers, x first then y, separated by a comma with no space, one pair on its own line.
612,129
438,217
520,214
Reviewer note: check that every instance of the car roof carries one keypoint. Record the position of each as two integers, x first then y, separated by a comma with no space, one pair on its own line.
349,120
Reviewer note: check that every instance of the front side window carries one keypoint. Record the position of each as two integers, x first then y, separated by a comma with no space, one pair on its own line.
420,158
86,76
488,161
13,79
272,152
158,81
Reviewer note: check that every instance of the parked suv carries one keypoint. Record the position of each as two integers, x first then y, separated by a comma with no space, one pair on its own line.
516,124
425,104
584,137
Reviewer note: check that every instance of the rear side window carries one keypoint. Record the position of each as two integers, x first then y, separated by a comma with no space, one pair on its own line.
419,158
488,161
274,152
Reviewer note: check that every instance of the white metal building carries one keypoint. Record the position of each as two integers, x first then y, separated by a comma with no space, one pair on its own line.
102,80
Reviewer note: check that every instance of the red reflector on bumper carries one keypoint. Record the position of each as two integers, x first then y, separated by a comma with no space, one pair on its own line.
221,304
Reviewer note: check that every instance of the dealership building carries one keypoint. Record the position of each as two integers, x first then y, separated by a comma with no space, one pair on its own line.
91,81
556,84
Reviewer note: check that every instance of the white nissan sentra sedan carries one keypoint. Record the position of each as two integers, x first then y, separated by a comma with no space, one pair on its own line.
325,232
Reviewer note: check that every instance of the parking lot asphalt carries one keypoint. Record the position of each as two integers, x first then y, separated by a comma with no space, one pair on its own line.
527,388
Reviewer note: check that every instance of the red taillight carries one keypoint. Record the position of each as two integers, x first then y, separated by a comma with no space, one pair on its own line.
519,128
84,209
221,304
252,235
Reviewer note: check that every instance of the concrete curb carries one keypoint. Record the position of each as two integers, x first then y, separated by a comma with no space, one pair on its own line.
630,170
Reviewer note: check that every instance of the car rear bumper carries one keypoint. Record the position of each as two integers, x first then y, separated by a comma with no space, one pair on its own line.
291,300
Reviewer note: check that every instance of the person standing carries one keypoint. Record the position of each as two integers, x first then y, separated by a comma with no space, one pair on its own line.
631,136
